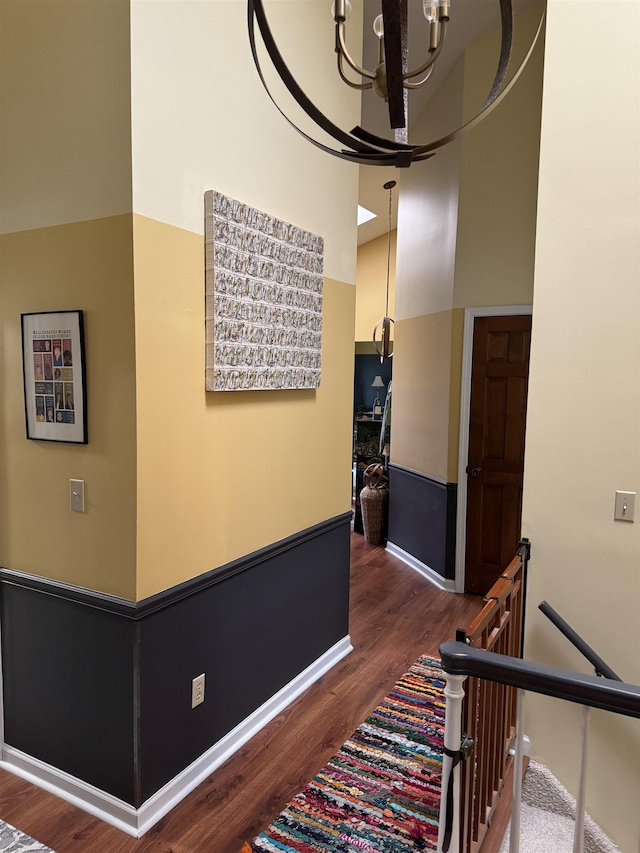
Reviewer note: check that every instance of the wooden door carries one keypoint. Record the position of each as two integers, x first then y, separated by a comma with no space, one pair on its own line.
499,380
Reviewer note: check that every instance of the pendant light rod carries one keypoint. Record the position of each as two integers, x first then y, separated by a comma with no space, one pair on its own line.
385,323
388,186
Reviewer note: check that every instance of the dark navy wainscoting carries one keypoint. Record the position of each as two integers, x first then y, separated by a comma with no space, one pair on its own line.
67,671
100,687
422,518
250,633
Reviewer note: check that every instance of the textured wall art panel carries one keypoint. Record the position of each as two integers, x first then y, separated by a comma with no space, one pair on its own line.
263,300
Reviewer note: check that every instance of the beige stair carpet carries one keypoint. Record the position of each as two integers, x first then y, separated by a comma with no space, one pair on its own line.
548,818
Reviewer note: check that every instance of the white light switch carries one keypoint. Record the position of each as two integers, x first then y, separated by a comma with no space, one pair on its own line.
625,506
76,495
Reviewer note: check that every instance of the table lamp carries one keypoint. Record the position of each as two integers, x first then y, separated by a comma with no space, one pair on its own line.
377,405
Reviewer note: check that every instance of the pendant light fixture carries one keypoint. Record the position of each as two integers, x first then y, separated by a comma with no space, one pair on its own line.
391,80
384,325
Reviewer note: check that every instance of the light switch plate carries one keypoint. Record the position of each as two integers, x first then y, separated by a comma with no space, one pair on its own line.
625,506
76,495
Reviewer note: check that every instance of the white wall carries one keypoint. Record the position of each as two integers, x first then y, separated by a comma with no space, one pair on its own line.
201,117
65,132
428,209
499,175
583,428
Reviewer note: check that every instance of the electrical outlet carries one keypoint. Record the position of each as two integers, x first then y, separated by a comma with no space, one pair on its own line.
197,691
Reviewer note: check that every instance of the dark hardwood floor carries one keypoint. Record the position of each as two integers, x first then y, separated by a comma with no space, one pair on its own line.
396,615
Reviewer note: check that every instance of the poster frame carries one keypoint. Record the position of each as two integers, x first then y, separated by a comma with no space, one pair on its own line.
46,375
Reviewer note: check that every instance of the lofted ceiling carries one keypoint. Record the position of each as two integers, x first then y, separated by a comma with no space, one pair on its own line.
470,19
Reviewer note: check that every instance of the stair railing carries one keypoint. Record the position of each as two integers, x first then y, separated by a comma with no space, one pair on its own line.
460,661
488,710
602,669
594,659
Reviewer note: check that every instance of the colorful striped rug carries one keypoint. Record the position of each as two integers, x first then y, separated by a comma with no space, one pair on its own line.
381,791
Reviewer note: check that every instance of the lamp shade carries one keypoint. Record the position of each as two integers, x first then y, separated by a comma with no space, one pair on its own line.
377,382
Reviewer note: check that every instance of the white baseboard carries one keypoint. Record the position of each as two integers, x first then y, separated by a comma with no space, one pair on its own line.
136,822
432,576
70,788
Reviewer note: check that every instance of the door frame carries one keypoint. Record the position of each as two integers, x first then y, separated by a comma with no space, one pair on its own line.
470,315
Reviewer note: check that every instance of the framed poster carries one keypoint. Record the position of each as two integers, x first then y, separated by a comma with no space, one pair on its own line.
53,365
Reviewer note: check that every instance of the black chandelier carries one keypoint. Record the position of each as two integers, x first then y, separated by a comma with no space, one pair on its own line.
390,80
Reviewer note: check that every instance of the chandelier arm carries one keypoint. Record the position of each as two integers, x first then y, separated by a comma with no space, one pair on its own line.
420,82
376,158
394,16
372,157
340,32
506,14
255,12
489,106
344,77
432,58
388,144
399,159
367,148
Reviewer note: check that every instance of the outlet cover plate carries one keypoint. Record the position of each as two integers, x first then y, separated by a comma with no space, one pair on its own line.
197,691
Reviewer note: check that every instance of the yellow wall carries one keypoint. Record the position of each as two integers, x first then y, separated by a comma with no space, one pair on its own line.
371,285
88,266
455,385
421,380
110,106
65,218
223,474
583,425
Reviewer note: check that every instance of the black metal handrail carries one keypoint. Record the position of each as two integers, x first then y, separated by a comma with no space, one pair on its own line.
594,659
616,696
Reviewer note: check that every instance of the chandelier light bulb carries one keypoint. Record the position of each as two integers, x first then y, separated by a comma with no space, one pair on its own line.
430,9
341,10
361,145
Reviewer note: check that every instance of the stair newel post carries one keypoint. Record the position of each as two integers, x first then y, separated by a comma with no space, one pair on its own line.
449,821
578,835
514,834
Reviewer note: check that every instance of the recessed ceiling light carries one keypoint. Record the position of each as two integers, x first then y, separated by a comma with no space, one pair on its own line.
364,215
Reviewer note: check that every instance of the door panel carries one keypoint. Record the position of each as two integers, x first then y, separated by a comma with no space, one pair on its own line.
499,381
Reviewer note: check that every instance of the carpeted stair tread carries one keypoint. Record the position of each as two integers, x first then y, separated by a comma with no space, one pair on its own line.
548,818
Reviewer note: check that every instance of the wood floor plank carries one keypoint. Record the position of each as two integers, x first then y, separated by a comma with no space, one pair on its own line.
395,615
